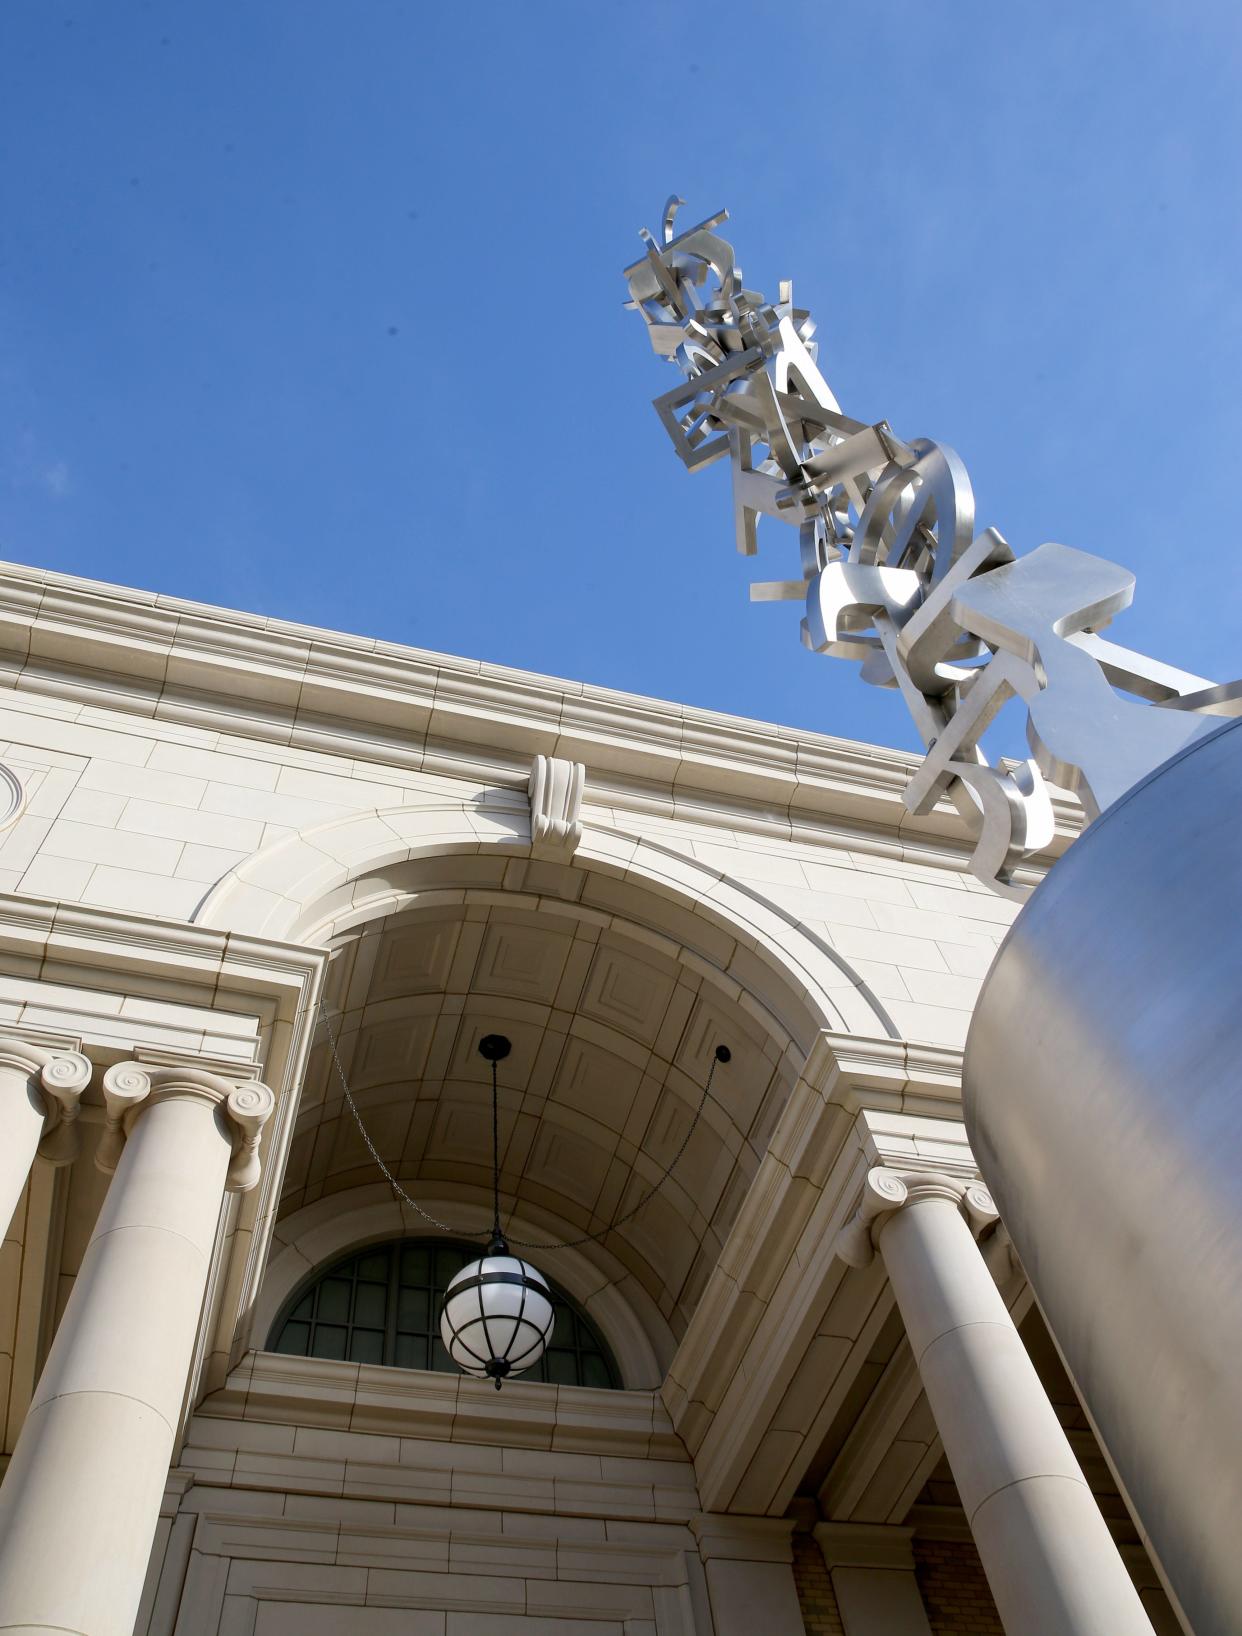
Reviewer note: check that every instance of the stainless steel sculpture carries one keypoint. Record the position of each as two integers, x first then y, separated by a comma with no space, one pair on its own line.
1102,1089
895,576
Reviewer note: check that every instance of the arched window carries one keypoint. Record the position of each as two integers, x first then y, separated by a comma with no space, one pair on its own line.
382,1305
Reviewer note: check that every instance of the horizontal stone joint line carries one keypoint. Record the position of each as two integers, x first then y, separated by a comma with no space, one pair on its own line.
1034,1477
147,1227
974,1323
27,1626
97,1391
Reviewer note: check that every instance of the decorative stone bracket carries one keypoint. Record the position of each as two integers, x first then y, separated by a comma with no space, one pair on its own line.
887,1190
556,788
128,1088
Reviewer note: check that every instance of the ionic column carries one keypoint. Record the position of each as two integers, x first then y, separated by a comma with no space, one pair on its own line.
39,1101
1048,1555
81,1499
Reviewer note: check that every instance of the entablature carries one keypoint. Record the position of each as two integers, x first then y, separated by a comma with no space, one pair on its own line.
187,663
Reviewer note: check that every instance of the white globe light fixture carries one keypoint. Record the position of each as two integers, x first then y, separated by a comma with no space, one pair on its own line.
497,1317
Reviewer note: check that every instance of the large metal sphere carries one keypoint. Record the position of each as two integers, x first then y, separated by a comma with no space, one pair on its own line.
1103,1092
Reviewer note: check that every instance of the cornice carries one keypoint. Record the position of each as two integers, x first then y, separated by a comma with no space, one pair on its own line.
158,656
370,1399
846,1078
55,938
910,1076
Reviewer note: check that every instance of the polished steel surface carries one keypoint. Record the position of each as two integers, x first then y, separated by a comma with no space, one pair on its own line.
893,573
1103,1092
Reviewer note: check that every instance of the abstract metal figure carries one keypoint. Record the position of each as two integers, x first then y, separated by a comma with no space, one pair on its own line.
894,574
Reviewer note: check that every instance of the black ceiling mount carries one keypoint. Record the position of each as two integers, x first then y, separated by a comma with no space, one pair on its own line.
494,1048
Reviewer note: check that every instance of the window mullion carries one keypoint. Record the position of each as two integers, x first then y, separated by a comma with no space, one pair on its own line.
394,1296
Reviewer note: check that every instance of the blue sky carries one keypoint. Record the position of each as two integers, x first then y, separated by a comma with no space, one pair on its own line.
314,308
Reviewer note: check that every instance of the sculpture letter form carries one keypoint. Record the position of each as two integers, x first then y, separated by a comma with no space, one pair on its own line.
894,574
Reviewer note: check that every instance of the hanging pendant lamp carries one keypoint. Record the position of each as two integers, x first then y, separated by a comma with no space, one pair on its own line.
497,1317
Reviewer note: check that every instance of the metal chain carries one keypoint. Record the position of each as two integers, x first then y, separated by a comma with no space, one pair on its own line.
399,1192
620,1221
721,1054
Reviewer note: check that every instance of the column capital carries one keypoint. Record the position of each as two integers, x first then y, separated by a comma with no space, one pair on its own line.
885,1191
743,1539
54,1080
865,1545
245,1106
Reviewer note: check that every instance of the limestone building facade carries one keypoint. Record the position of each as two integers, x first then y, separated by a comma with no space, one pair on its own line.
251,873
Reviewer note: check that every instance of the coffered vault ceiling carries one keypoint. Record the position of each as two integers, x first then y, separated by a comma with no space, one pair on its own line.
612,1041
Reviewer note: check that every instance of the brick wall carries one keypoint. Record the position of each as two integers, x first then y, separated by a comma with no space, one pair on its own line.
819,1606
954,1589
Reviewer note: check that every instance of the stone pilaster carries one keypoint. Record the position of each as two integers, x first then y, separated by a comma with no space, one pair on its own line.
872,1573
748,1562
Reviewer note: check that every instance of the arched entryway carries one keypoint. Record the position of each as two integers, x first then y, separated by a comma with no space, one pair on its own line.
615,974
